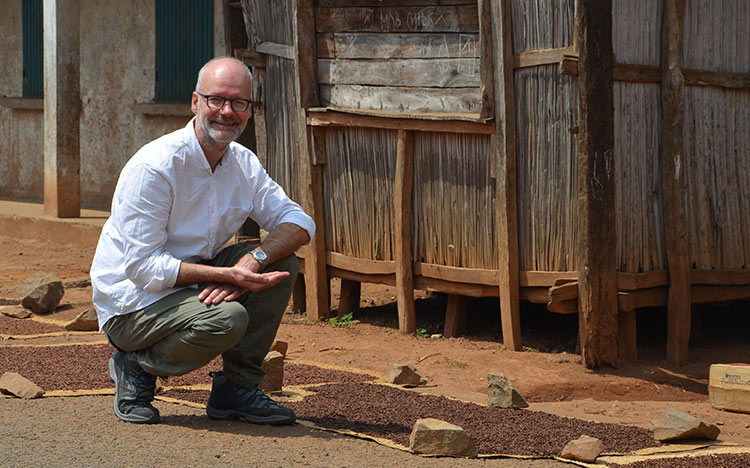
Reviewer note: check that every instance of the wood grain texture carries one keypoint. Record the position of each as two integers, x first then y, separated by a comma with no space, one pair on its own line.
403,189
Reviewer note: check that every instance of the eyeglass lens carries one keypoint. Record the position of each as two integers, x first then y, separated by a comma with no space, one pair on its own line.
217,102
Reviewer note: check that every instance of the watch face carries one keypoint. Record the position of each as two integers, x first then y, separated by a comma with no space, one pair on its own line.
260,256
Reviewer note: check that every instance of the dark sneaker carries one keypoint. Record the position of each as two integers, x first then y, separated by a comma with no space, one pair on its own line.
134,390
231,401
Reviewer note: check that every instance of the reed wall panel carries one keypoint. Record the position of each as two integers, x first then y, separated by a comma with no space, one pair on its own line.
282,159
542,24
546,113
358,192
636,31
453,220
717,166
717,36
639,220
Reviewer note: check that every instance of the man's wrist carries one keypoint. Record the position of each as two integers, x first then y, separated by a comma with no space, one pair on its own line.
259,256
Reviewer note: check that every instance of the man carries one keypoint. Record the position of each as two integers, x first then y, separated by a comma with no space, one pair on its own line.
167,295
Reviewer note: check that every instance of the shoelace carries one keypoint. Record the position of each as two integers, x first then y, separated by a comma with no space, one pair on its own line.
143,383
255,396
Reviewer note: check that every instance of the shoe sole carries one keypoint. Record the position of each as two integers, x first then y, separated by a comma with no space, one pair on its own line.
231,415
126,417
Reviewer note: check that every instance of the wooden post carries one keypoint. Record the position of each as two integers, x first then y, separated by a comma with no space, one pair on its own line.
312,151
402,195
673,183
62,109
317,291
455,316
597,260
349,299
504,147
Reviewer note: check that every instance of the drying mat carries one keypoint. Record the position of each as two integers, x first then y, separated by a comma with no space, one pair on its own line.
10,326
70,367
724,457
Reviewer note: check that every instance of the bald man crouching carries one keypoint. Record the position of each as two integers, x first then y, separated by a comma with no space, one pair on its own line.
167,295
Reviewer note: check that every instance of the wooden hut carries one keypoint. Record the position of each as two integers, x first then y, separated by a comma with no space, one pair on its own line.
592,155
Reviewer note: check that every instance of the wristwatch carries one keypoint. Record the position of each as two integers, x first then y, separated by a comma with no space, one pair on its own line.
260,257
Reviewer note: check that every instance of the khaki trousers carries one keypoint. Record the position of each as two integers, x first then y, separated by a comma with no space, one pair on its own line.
179,333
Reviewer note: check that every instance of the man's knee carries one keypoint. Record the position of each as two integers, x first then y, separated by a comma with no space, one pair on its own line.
230,319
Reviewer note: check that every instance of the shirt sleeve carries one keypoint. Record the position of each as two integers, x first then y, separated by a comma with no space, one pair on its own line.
140,208
272,206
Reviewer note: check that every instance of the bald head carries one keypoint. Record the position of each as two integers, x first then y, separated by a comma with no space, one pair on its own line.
225,67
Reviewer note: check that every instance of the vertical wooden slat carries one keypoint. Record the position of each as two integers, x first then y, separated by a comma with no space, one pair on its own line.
349,299
597,255
403,187
307,60
486,79
455,315
673,183
504,148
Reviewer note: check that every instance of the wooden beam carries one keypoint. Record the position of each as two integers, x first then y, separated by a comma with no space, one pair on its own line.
650,74
504,145
276,49
673,183
306,55
449,287
316,275
455,316
402,200
545,278
730,277
456,274
597,260
486,75
362,265
533,58
362,277
353,118
349,298
634,281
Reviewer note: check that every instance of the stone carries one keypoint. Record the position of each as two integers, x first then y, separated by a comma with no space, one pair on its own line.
673,424
501,392
584,448
435,437
85,321
41,293
280,346
15,312
403,374
20,386
273,365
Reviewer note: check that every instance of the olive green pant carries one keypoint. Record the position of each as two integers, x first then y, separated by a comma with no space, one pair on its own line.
179,333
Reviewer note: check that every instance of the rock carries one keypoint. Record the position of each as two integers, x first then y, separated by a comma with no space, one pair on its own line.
15,312
16,384
403,374
501,393
273,365
280,346
41,293
584,449
86,321
436,336
435,437
77,283
673,424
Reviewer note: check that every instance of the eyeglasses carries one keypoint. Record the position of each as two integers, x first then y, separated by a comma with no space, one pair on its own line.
217,102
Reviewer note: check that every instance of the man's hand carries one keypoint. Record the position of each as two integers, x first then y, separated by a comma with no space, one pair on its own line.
243,279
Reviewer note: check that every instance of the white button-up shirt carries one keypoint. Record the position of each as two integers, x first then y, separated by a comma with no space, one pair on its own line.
169,207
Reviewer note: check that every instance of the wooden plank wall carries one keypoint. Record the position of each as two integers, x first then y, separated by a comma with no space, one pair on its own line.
399,56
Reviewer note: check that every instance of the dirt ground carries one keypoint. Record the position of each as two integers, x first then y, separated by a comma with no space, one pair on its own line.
547,373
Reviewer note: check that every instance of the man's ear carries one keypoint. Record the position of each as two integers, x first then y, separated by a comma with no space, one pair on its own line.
194,103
